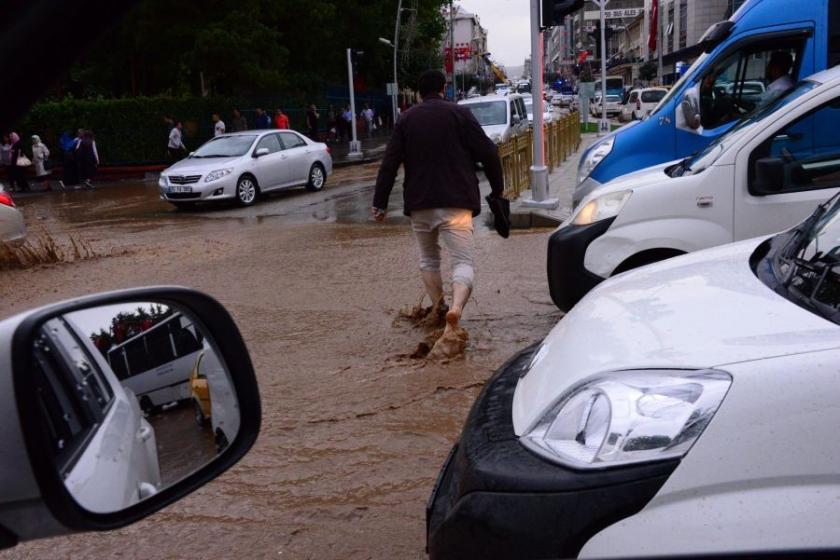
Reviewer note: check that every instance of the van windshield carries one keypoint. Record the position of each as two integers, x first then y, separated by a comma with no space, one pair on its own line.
709,155
678,86
489,113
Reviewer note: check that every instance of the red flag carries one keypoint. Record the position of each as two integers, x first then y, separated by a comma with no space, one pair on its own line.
654,26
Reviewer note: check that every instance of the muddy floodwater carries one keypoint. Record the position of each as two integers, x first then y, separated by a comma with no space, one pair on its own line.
354,430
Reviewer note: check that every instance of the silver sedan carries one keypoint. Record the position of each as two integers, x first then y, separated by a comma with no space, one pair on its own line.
243,165
12,228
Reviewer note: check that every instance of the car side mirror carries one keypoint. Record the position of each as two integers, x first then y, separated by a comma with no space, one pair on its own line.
261,152
516,119
116,405
192,154
769,175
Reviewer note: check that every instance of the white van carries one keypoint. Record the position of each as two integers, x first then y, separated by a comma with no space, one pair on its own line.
107,443
763,176
500,117
641,102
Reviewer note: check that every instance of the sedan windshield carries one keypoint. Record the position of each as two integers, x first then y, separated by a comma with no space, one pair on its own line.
489,113
809,265
226,146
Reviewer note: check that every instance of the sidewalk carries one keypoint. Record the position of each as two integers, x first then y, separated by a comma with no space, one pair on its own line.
372,150
561,185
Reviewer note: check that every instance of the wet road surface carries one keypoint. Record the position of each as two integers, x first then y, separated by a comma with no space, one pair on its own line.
354,432
183,446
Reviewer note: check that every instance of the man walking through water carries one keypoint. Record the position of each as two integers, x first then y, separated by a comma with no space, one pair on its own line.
439,143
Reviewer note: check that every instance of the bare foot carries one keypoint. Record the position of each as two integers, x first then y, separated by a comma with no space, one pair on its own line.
451,344
453,317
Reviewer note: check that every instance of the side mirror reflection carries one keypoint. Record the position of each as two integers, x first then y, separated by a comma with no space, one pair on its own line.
134,397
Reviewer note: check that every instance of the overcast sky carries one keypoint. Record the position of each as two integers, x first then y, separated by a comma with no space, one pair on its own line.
508,24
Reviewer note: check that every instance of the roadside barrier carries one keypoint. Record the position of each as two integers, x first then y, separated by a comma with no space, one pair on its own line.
562,139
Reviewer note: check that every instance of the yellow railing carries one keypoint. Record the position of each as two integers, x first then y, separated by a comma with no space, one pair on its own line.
562,139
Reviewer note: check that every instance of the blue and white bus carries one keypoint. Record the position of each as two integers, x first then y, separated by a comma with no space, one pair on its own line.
156,364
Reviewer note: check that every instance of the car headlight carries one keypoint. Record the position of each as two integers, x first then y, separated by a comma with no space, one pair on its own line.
629,417
595,156
163,181
601,208
218,174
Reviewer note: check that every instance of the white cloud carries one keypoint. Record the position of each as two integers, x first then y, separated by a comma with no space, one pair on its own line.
508,24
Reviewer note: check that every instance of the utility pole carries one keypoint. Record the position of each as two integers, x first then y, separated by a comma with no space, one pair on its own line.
396,90
355,145
603,124
539,172
659,42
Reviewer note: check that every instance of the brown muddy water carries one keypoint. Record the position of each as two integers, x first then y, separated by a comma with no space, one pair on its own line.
354,429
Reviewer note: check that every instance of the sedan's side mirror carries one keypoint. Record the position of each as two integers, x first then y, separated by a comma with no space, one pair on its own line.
515,119
769,176
261,152
116,405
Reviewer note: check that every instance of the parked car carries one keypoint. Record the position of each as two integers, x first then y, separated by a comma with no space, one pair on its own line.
213,399
243,165
567,95
750,92
12,227
548,114
765,175
500,117
613,105
736,50
641,102
682,408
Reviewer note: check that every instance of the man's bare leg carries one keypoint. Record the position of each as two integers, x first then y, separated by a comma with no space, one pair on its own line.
434,287
460,296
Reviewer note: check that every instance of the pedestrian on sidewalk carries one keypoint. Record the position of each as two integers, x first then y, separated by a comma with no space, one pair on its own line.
312,117
6,155
87,157
439,144
69,168
17,169
347,122
368,115
176,147
238,123
281,121
218,125
263,120
40,156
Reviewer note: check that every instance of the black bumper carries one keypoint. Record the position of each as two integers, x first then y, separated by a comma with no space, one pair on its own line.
495,499
568,279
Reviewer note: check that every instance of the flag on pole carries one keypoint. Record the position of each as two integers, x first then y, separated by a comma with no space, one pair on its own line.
654,26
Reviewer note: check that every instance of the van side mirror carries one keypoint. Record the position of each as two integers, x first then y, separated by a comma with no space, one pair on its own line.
117,405
261,152
769,176
515,119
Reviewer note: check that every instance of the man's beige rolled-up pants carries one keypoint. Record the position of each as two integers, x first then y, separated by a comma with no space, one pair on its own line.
455,227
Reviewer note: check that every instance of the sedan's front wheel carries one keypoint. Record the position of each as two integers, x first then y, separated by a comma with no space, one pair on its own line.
317,177
246,191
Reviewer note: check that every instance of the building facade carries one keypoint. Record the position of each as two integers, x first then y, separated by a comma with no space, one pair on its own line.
470,42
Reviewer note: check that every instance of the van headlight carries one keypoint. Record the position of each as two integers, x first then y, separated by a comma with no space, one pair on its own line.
601,208
595,156
218,174
629,417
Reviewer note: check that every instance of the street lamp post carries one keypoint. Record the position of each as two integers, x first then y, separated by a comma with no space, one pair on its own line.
539,172
396,46
355,145
603,124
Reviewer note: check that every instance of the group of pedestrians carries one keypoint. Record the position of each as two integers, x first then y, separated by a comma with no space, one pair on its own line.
79,163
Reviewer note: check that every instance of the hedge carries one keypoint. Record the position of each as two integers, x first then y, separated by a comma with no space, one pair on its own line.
132,130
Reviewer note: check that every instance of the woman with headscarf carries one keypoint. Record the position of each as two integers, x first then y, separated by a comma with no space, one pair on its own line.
17,173
87,158
5,154
40,154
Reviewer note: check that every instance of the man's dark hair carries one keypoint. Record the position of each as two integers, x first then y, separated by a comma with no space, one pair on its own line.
431,82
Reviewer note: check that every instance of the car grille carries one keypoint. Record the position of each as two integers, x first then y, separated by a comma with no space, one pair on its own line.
182,195
183,179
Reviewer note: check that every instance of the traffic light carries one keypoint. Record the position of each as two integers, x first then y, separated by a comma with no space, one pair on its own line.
554,11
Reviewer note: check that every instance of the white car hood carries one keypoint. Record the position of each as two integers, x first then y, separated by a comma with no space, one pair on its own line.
702,310
492,129
198,166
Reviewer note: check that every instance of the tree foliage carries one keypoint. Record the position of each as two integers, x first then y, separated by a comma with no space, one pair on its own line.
250,47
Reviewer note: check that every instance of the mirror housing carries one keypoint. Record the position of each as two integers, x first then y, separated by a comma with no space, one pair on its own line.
715,35
769,176
515,120
260,152
34,498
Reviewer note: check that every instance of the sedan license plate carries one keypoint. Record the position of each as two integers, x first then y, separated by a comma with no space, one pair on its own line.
180,189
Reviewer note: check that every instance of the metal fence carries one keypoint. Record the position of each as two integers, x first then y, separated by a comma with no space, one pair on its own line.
562,139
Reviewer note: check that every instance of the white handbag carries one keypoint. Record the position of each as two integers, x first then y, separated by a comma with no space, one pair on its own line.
23,161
